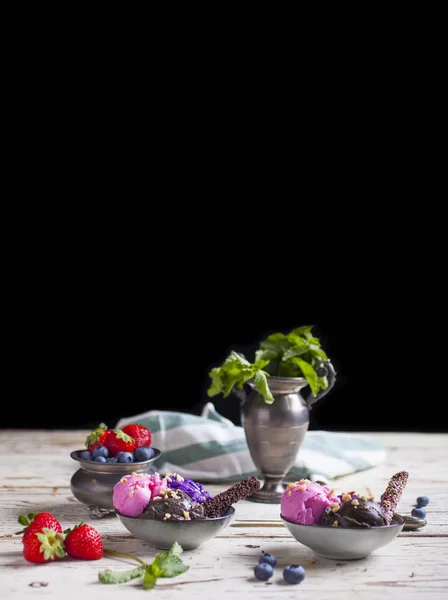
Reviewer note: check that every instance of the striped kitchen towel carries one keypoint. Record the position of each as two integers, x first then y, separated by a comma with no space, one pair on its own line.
211,449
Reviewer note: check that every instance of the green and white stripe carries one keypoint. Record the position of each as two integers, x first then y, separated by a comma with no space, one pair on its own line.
211,449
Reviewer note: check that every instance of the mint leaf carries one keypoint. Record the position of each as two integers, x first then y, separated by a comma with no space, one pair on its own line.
165,564
149,579
309,373
109,576
262,387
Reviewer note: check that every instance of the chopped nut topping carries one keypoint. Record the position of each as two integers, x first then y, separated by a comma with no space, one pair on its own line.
134,474
355,502
335,524
157,498
179,478
346,497
302,488
335,507
292,485
186,515
167,516
137,487
289,493
371,498
364,498
330,493
169,479
131,494
123,480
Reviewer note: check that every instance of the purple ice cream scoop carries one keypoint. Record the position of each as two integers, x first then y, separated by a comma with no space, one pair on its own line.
193,488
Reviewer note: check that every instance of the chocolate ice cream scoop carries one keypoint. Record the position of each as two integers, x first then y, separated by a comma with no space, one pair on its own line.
173,506
354,512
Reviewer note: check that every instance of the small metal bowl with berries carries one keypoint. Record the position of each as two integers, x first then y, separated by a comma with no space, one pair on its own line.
109,454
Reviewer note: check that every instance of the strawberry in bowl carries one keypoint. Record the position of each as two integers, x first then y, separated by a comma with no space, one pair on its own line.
109,454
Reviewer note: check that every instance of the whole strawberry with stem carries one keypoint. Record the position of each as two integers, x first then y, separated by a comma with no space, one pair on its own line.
84,541
119,441
34,521
141,434
97,437
41,544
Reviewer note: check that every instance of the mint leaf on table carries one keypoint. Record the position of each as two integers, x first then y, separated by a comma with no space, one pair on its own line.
165,564
120,576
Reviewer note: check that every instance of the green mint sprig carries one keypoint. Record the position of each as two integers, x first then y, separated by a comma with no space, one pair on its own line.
295,354
165,564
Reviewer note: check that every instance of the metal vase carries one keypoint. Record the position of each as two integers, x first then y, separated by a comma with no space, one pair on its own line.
275,432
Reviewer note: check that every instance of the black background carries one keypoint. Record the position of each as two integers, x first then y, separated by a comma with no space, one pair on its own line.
96,347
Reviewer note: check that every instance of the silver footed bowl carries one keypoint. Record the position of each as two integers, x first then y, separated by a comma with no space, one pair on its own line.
93,483
341,543
189,534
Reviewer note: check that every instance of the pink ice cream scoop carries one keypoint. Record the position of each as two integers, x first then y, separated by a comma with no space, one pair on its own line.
131,495
304,502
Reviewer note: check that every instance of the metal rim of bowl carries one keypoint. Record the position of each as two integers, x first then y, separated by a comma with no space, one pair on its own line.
113,467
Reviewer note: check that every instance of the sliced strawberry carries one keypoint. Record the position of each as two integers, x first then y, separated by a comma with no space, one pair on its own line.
97,437
141,434
41,544
118,441
84,541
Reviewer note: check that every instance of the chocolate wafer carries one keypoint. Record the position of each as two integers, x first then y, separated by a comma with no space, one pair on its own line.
238,491
392,494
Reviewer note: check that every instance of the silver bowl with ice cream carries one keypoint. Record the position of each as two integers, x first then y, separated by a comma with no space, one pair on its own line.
347,526
189,534
345,544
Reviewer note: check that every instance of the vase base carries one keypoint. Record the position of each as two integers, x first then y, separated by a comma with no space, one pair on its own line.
269,493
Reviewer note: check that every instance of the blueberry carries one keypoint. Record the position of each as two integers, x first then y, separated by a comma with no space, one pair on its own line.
125,457
100,451
422,501
99,459
268,558
85,455
143,453
418,512
263,571
112,459
293,574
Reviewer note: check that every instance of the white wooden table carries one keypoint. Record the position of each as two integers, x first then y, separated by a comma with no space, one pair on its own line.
36,468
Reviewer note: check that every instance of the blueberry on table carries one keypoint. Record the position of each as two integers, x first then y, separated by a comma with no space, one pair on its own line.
143,453
422,501
268,558
418,512
263,571
100,451
294,574
125,457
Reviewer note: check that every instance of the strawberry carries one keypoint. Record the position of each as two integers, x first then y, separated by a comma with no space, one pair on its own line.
97,437
118,441
35,521
84,541
141,434
41,544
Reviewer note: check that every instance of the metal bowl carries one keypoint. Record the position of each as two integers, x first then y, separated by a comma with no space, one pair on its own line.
344,544
93,483
189,534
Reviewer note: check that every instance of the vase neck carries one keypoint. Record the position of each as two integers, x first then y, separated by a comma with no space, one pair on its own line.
285,385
